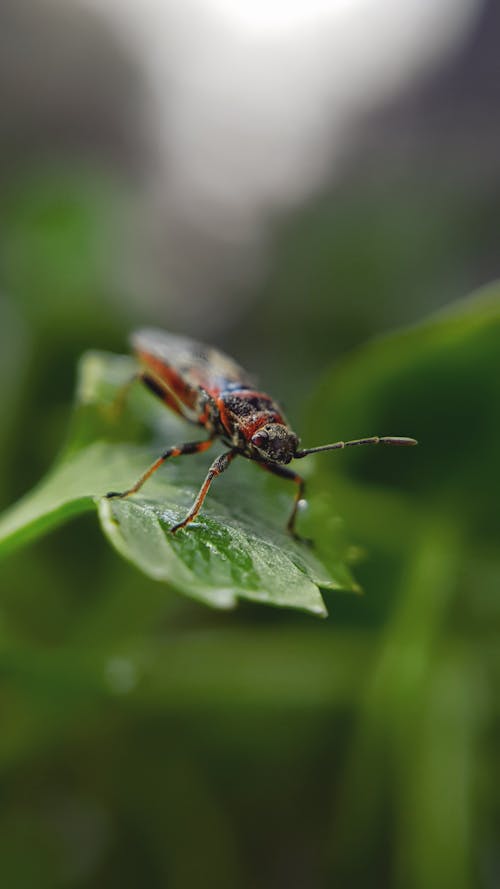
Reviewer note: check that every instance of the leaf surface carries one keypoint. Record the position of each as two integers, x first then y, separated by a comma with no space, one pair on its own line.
236,548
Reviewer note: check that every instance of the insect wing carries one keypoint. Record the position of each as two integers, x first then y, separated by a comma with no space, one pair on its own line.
186,366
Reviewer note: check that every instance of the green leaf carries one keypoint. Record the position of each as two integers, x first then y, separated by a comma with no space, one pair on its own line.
236,549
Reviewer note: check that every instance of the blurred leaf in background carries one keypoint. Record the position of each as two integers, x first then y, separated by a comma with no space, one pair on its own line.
62,230
431,535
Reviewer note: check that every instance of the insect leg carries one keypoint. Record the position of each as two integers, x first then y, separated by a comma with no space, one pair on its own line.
282,472
217,467
161,390
190,447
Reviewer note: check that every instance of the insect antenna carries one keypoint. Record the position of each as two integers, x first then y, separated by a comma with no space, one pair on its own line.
375,439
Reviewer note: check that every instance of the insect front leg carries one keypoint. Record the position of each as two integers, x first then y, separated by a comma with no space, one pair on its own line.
218,466
190,447
282,472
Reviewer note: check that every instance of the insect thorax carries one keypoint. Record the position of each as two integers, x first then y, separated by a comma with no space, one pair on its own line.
253,423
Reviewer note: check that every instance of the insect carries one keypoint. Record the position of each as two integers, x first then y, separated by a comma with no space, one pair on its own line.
210,390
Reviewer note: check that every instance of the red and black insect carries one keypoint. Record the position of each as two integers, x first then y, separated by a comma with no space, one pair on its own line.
209,389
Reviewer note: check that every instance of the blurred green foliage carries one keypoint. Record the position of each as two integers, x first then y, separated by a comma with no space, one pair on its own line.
149,741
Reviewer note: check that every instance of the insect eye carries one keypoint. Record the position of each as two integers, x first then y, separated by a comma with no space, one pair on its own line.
259,439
